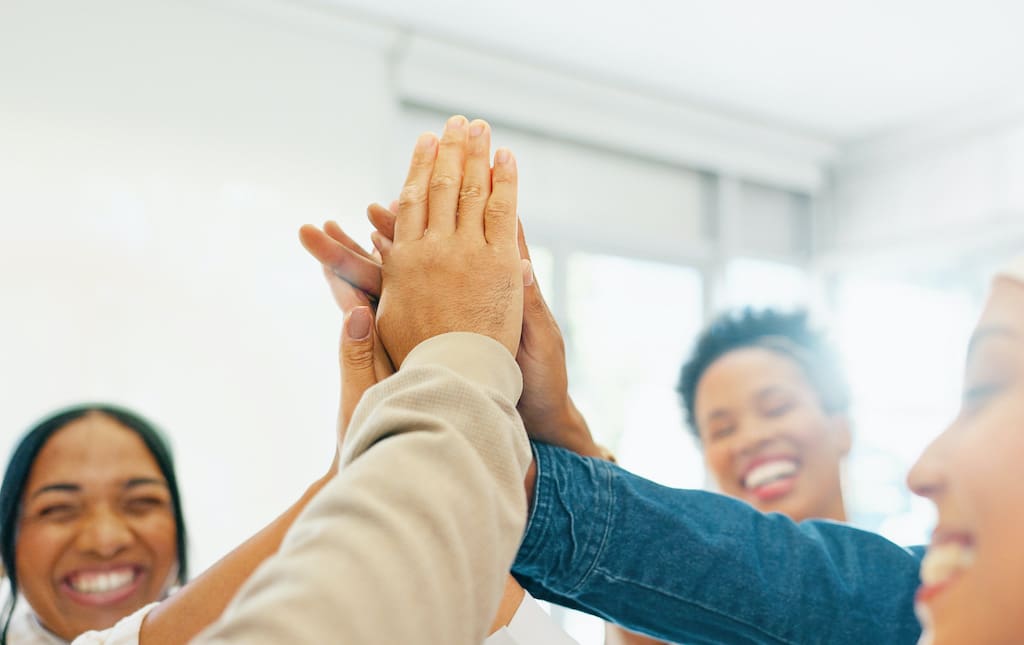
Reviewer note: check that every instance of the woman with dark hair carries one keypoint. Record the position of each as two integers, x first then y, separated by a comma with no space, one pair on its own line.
765,398
91,526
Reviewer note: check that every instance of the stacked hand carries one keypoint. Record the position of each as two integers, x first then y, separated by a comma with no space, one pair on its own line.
547,410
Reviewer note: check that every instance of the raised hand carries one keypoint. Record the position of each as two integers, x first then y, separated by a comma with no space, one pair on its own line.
454,264
548,411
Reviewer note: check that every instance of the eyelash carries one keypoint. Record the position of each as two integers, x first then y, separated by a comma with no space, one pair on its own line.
721,433
779,410
58,511
979,393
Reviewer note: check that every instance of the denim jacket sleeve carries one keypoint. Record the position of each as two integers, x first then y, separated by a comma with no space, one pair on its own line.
696,567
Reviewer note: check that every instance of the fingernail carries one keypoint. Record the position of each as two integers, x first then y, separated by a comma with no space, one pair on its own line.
426,141
455,123
359,321
502,155
476,129
528,276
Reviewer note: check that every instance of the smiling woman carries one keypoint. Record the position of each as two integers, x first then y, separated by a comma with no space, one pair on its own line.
92,528
970,578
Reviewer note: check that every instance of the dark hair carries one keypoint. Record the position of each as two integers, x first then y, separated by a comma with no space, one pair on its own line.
788,334
24,456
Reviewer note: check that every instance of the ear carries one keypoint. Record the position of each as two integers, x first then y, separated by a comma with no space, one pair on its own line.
843,437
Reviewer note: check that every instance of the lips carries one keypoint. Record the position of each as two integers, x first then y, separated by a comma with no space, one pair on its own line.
948,556
102,587
768,478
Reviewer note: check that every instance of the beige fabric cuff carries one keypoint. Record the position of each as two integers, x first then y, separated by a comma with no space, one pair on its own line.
478,358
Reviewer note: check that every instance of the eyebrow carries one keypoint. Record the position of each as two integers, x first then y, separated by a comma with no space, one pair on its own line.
67,487
58,487
984,333
144,481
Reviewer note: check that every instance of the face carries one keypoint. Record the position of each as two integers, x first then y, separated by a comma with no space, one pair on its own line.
767,439
971,577
96,535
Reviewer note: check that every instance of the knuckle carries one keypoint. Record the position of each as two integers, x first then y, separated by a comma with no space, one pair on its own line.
412,195
471,192
499,207
359,357
443,182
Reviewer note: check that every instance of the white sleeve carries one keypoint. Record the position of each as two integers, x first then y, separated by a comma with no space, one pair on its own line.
125,632
530,625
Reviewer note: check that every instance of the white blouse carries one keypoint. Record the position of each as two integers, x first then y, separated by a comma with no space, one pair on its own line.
530,625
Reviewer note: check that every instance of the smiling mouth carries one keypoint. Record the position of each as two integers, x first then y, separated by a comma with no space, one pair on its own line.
945,560
771,479
102,587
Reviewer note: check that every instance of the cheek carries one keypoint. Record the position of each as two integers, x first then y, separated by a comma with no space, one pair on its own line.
718,458
159,534
38,550
813,433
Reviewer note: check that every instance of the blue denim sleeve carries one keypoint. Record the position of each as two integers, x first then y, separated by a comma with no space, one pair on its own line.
696,567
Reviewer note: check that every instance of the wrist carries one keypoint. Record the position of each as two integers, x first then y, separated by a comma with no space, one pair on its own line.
577,432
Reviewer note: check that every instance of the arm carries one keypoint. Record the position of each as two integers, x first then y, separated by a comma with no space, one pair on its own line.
428,511
690,566
615,635
372,558
183,615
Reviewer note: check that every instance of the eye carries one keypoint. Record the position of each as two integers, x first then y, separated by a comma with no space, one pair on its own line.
140,505
976,396
721,432
58,512
779,409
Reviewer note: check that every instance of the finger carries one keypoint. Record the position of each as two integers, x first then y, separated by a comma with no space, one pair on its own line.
393,206
382,365
345,295
382,244
524,249
476,180
361,272
358,372
412,203
383,219
500,215
446,179
537,315
334,231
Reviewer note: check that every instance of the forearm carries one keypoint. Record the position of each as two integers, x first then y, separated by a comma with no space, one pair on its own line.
181,617
413,539
689,566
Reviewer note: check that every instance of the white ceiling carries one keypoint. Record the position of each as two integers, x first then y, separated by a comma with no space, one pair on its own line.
845,69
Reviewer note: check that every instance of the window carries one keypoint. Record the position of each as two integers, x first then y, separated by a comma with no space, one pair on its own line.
903,346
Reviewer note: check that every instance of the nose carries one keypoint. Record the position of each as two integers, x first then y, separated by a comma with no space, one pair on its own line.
753,435
927,476
106,534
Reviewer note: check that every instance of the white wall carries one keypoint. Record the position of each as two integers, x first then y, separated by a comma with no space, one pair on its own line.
158,156
156,161
935,196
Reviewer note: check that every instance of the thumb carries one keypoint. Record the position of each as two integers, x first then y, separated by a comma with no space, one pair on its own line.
357,363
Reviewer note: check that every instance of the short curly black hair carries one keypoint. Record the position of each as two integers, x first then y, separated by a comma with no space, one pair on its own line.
789,334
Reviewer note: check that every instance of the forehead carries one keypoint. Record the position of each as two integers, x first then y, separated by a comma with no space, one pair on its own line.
93,450
748,369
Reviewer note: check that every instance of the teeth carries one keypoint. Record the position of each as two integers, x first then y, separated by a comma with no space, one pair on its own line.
769,472
943,561
102,582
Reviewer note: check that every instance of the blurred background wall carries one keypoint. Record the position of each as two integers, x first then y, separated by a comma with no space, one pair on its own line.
158,156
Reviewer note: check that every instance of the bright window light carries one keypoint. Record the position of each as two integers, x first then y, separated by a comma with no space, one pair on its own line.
903,346
762,283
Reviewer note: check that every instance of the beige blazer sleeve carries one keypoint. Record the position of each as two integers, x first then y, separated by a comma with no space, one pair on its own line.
412,540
